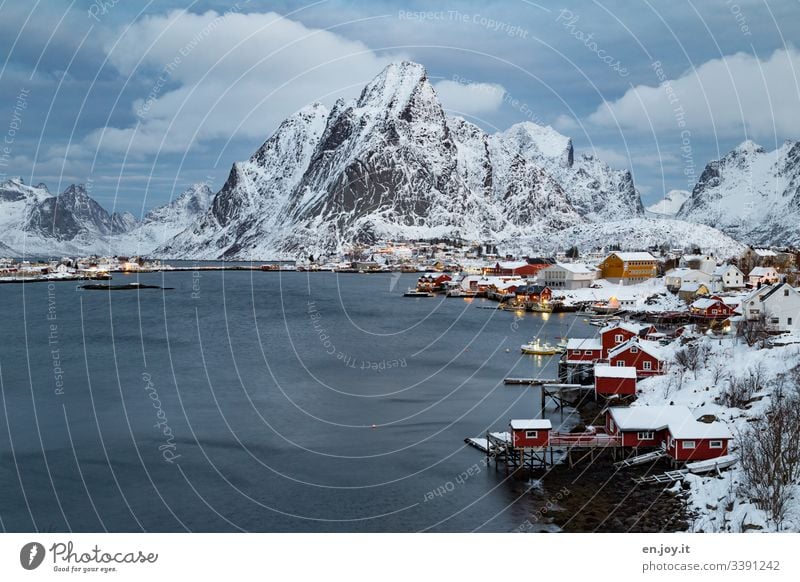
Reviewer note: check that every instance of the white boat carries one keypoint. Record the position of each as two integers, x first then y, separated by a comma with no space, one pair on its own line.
417,293
709,465
536,348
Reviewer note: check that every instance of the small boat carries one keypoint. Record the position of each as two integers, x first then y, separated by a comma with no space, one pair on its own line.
536,348
699,467
417,293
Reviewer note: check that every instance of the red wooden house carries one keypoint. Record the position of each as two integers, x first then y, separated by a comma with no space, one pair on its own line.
521,268
610,380
617,334
432,281
530,433
583,350
645,356
711,308
697,441
643,426
534,293
674,427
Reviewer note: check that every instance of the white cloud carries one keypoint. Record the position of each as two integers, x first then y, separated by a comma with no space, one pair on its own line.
224,75
730,96
566,123
470,98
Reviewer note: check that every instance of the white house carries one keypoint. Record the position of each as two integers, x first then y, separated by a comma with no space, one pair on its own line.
780,303
762,276
725,278
704,263
675,278
568,276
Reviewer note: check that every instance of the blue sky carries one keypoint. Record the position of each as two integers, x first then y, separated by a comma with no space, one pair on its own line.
141,100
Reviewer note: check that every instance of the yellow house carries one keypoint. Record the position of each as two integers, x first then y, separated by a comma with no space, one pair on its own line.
629,268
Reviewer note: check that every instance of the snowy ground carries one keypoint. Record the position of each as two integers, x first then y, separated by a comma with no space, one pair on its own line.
665,301
718,501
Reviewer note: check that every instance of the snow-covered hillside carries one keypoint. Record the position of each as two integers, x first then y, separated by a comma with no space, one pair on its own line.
670,204
720,504
632,234
751,194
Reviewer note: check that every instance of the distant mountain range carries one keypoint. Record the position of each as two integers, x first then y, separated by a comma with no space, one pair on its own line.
34,222
392,164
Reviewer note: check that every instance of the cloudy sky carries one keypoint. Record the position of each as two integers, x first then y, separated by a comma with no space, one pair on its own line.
142,100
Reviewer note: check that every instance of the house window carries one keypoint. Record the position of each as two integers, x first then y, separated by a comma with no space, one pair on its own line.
531,434
634,350
620,364
785,292
788,321
647,435
618,338
715,444
775,320
687,444
587,352
647,366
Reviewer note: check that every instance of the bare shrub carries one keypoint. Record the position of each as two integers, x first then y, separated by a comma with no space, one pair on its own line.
769,456
753,330
741,389
691,357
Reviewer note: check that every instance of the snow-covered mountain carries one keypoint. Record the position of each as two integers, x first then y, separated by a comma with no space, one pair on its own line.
751,194
35,222
670,204
391,164
164,222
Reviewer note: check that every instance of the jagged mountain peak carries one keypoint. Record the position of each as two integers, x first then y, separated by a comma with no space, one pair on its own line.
748,146
394,86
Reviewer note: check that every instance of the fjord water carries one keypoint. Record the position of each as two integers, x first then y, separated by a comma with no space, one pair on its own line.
260,401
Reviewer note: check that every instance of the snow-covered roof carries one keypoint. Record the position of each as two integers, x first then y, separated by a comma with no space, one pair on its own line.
590,343
531,424
704,303
692,429
650,417
606,371
652,348
722,269
631,327
577,268
690,286
512,264
761,271
635,256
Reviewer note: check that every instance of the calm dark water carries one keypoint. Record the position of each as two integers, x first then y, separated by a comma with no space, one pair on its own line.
260,402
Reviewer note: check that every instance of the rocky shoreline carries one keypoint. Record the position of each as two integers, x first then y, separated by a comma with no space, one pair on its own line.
593,496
